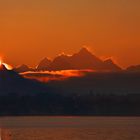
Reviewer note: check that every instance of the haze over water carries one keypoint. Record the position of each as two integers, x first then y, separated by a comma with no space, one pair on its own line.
71,128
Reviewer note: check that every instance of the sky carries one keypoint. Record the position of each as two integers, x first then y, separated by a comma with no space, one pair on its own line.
33,29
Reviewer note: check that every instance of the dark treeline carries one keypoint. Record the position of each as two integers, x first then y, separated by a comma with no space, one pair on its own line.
82,104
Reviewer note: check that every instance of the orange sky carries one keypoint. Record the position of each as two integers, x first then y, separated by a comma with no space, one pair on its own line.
33,29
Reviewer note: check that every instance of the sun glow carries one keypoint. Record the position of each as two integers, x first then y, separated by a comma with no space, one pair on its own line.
0,62
7,66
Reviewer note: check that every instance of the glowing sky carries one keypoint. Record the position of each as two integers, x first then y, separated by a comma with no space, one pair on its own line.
33,29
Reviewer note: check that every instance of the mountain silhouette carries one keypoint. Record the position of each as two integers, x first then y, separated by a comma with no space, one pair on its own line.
111,65
135,68
84,59
61,62
44,64
104,83
22,68
11,82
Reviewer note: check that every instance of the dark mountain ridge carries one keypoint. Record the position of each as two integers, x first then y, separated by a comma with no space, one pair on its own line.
84,59
135,68
22,68
44,64
12,82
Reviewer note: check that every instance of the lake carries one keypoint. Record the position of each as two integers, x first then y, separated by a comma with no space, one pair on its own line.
70,128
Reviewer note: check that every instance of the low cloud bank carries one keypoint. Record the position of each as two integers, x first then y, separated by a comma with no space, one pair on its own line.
45,76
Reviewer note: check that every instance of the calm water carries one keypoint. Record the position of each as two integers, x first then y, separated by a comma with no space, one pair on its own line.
70,128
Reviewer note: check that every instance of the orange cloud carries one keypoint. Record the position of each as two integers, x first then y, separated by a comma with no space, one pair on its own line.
45,76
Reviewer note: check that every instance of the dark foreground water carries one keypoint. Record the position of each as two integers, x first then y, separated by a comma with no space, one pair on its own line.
70,128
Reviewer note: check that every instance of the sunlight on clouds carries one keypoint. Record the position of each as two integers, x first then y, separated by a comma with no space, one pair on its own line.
45,76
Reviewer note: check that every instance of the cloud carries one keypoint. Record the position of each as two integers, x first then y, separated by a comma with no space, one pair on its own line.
45,76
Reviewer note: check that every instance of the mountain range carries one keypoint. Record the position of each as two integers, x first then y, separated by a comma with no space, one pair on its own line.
135,68
84,59
118,82
98,92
